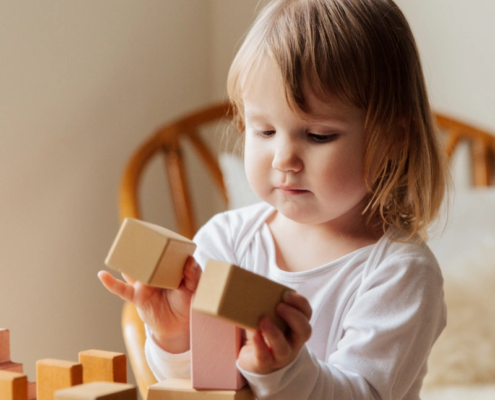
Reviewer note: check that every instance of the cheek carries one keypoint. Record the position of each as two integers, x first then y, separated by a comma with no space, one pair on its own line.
253,163
344,172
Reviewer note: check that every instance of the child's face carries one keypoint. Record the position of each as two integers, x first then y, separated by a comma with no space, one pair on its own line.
310,170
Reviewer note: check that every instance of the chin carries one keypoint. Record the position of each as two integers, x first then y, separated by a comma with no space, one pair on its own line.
299,215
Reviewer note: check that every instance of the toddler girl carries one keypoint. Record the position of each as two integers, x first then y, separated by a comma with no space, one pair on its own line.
340,146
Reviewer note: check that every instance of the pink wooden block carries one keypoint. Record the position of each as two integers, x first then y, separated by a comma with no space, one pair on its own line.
31,390
215,346
4,345
12,367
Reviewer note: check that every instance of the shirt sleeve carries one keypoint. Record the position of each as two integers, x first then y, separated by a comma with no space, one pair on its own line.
398,314
165,365
215,241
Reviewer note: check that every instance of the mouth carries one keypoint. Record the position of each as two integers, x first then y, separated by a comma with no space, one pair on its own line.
291,190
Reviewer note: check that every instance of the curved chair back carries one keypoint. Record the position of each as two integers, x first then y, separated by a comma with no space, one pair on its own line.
481,145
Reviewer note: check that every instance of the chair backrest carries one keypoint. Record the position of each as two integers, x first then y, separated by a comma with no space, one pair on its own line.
481,145
166,141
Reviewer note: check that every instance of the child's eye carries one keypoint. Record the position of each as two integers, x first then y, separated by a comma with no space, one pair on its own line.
264,133
322,138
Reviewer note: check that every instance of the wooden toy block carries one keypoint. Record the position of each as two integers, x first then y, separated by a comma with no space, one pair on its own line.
53,375
149,253
13,386
103,366
181,389
12,367
215,346
98,391
4,345
237,295
5,362
31,390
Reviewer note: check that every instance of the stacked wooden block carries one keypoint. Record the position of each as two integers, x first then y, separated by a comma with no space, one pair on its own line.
6,363
228,299
13,382
98,375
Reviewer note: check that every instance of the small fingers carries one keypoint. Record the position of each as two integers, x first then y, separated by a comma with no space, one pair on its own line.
192,273
299,302
262,352
300,328
123,290
277,341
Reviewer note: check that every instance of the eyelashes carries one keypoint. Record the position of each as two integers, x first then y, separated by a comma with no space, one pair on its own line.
322,138
265,134
312,137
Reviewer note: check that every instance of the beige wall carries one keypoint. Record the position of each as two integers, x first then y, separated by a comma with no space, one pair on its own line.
455,38
83,82
230,22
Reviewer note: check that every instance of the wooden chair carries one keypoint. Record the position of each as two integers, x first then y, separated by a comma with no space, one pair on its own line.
165,141
481,145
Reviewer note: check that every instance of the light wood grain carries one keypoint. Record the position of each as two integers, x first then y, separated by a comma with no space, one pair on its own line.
103,366
181,389
13,386
52,375
98,391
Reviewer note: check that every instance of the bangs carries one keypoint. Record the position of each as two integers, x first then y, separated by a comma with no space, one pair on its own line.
317,57
333,49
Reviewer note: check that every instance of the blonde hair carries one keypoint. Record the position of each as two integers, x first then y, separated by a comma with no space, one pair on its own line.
364,53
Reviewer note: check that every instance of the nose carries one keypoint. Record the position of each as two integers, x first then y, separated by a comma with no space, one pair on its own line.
287,156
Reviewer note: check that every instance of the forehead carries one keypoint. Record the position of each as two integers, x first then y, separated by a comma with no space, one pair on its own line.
264,91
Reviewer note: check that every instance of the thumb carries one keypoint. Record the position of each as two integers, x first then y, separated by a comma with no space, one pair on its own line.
192,274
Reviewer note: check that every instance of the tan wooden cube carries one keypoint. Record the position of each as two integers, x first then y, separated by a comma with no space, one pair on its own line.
31,390
103,366
237,295
52,375
98,391
150,253
181,389
13,386
4,345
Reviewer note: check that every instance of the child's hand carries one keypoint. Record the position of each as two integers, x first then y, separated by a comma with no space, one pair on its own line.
165,311
268,349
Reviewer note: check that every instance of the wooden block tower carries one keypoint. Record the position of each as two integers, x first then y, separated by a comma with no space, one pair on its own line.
6,363
109,368
226,296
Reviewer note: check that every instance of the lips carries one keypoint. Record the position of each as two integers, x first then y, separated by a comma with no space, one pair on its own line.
291,190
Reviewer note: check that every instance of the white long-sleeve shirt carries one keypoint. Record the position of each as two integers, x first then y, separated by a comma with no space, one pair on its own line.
376,314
